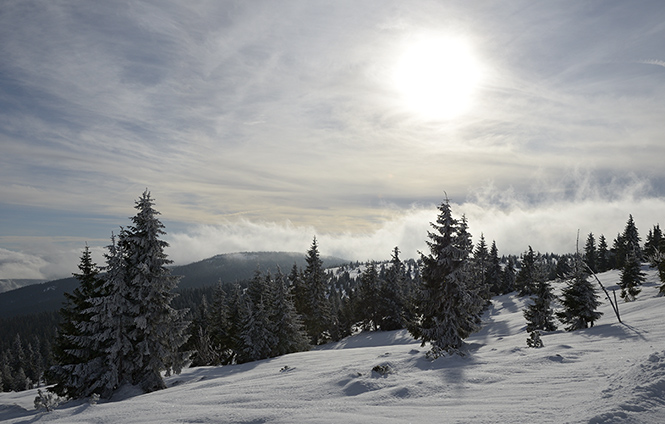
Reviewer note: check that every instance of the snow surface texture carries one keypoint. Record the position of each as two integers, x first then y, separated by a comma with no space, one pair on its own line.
612,373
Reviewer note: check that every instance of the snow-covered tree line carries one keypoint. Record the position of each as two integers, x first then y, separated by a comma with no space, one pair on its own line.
285,313
579,300
248,324
119,327
22,364
627,255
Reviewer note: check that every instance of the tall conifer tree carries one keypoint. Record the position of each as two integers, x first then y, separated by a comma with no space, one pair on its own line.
494,271
369,298
316,308
221,333
618,252
631,273
539,314
527,276
285,321
603,259
446,315
653,241
579,299
256,339
159,330
137,331
393,291
508,276
481,268
75,350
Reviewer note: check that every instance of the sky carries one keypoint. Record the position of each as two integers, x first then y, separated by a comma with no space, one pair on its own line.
259,125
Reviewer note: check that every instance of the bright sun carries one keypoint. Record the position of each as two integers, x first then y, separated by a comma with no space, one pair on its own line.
438,77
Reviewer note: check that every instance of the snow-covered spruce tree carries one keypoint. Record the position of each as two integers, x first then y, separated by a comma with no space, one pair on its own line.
538,313
316,308
6,374
16,359
392,293
256,340
481,260
631,237
113,321
603,255
508,277
653,241
257,308
579,299
659,262
235,313
338,325
257,288
35,364
654,249
75,348
494,271
135,326
345,315
563,267
631,273
108,323
368,301
297,284
446,307
478,294
159,330
618,252
526,278
285,322
200,340
632,277
220,328
481,265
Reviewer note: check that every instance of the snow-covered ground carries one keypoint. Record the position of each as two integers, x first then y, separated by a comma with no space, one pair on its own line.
607,374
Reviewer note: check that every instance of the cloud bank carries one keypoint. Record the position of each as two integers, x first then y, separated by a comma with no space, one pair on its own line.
46,262
548,221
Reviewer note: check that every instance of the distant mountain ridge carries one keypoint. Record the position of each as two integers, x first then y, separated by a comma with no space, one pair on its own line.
16,283
230,267
227,268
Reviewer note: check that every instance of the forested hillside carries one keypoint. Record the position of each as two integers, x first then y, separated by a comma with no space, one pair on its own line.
611,373
227,268
286,304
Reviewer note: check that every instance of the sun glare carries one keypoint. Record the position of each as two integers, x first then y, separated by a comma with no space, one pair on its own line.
437,77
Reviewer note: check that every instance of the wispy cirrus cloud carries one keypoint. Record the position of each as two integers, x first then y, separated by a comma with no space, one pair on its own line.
654,62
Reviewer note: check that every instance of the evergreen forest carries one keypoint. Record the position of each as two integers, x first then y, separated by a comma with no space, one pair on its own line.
129,321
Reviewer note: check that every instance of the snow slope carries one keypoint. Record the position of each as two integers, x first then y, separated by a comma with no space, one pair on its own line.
612,373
